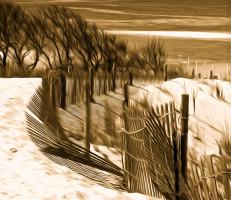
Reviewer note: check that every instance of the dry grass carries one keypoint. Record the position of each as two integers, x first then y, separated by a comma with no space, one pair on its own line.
225,142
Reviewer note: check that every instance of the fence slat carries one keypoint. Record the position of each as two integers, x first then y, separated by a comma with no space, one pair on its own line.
163,120
225,178
199,184
204,183
213,179
195,183
167,119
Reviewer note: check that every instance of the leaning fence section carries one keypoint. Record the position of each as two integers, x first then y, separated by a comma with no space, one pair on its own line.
147,150
210,177
133,159
167,115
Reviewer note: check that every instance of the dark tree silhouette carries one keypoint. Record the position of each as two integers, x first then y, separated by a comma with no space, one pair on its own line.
114,52
6,32
134,63
120,57
109,56
19,51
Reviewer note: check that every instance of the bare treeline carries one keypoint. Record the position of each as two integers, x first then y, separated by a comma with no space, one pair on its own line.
55,38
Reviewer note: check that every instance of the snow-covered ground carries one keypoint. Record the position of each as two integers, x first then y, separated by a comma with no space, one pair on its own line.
25,173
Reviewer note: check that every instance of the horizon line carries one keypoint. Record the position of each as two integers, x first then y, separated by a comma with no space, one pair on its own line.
175,34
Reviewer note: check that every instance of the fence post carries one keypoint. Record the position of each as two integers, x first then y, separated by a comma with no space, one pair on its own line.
126,94
105,82
130,78
193,73
211,74
196,67
63,90
176,166
114,80
73,93
87,127
165,72
184,133
126,140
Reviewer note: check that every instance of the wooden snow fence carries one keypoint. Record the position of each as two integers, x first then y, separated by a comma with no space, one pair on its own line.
210,177
147,151
146,142
75,85
105,112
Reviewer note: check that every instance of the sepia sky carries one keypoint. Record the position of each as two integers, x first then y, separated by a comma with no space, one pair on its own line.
171,18
190,15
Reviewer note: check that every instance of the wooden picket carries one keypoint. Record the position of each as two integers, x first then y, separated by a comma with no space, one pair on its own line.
167,116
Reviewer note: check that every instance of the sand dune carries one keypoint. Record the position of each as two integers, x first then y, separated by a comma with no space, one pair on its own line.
27,174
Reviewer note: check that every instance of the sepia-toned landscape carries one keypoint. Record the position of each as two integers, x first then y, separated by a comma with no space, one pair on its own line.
115,99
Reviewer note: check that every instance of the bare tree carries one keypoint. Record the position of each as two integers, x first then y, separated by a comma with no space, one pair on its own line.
80,41
59,35
154,55
36,41
19,49
120,60
87,42
13,37
109,56
6,24
135,63
115,52
93,48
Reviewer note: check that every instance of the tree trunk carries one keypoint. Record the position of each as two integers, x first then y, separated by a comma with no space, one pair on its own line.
165,72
